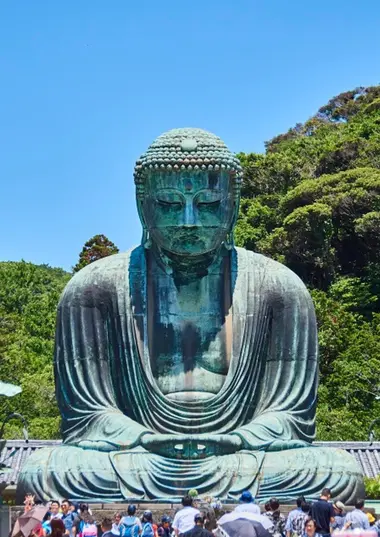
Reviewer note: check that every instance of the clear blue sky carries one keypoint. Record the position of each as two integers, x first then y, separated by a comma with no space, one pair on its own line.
86,85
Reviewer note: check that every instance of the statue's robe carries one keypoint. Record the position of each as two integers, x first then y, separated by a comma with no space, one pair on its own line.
108,396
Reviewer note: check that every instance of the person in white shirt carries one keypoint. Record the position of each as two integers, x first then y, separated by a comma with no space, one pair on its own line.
55,509
247,504
184,518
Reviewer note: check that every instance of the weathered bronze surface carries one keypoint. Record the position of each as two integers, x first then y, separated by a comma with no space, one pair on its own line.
186,362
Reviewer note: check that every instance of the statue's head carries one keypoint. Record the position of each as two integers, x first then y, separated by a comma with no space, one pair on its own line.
188,190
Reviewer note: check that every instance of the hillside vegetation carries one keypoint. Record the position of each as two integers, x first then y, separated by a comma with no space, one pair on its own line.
312,201
28,300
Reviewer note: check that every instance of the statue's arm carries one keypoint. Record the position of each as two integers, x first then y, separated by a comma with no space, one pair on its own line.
86,343
285,416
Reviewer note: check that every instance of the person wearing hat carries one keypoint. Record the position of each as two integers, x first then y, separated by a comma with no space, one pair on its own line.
165,530
247,504
148,528
371,518
130,525
340,515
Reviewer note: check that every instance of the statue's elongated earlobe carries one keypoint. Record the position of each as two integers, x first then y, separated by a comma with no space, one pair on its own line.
146,240
229,241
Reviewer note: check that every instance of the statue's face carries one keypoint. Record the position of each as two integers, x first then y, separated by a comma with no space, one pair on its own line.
188,213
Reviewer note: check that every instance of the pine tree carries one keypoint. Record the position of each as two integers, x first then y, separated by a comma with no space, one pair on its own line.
97,247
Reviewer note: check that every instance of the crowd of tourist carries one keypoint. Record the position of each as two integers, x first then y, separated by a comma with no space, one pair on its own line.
318,519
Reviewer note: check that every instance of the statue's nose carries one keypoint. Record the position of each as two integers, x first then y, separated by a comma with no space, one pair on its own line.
189,216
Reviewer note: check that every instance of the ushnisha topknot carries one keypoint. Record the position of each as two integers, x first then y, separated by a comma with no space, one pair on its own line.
187,149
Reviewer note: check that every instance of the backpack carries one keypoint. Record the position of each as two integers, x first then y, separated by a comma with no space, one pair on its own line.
129,530
148,530
87,530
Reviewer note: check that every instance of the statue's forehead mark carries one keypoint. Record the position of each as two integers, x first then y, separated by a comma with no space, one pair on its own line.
188,184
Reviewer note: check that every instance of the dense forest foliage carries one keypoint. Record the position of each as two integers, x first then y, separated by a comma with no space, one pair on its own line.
28,300
312,201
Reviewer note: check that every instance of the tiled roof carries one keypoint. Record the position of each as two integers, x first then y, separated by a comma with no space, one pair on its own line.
366,454
16,452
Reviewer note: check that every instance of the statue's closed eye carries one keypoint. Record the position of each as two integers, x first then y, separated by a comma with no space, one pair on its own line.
208,199
170,199
209,203
169,203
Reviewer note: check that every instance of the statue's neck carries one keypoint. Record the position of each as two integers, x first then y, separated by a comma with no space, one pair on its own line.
186,269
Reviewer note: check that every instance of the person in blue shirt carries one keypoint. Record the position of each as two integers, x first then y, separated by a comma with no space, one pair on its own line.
147,524
292,515
46,523
68,516
357,518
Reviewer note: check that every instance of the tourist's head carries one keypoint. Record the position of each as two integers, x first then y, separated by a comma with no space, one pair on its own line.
359,504
274,504
74,507
65,506
83,508
199,520
187,501
310,527
117,518
326,493
54,507
166,521
57,527
147,516
267,507
300,500
306,507
247,497
131,510
188,188
106,524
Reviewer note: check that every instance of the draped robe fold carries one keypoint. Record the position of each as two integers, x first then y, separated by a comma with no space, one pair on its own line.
109,398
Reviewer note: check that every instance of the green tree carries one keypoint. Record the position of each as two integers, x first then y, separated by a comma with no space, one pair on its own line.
312,201
29,296
95,248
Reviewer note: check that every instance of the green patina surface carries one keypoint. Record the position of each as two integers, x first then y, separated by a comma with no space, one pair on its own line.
187,362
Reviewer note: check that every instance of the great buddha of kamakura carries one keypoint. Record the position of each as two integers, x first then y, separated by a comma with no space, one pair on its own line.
186,362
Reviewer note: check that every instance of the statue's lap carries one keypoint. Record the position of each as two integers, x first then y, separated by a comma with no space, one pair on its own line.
68,471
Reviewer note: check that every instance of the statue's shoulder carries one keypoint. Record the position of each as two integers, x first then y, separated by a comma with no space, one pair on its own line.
274,273
103,275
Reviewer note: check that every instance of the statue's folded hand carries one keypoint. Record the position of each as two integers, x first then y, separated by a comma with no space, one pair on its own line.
110,431
191,446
